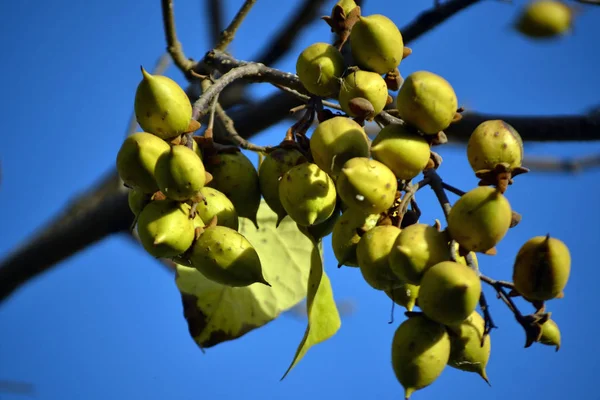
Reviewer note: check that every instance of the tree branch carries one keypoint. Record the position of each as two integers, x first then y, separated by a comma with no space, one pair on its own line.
229,33
173,45
214,18
552,164
304,15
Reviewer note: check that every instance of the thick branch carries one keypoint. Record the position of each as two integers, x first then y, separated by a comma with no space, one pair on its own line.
432,18
555,128
228,34
304,15
173,45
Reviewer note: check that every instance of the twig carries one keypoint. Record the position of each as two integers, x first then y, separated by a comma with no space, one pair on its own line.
432,18
173,45
283,41
229,33
551,164
452,189
214,18
436,184
306,97
232,133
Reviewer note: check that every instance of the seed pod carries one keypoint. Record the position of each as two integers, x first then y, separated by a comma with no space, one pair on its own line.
217,204
466,350
545,19
179,173
420,352
234,175
542,268
367,185
337,140
449,292
372,253
404,152
319,231
416,249
165,228
376,44
272,168
137,159
404,295
427,101
137,200
550,334
320,67
480,219
366,85
161,106
225,256
345,235
494,142
307,194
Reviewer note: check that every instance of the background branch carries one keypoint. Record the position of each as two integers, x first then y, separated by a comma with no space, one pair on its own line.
570,165
229,33
214,19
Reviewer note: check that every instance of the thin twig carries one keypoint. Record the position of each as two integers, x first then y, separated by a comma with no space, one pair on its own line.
435,182
174,47
569,165
452,189
306,97
232,133
214,18
228,34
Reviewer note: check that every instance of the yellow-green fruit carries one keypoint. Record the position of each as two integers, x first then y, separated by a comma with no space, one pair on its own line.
217,204
372,254
225,256
179,173
542,268
367,185
137,158
420,352
416,249
550,334
165,228
347,6
365,84
234,175
137,200
545,19
480,219
376,44
337,140
405,153
319,231
449,292
427,101
405,295
320,67
466,350
161,106
307,194
345,237
494,142
272,168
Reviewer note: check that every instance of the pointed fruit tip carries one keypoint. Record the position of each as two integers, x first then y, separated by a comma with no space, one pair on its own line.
483,375
264,281
159,240
408,392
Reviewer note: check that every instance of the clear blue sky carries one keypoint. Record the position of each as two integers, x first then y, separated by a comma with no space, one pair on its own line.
108,323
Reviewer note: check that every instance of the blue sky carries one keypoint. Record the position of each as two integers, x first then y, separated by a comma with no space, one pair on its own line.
107,323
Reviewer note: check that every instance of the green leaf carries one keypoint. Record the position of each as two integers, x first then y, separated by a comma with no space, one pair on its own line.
323,316
216,313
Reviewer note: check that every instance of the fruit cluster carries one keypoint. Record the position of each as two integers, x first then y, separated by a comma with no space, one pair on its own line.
187,193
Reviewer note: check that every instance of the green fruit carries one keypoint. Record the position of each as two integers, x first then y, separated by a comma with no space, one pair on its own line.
449,292
367,185
404,295
319,231
137,200
364,84
542,268
345,236
545,19
320,67
420,352
307,194
165,228
494,142
180,173
372,254
217,204
416,249
234,175
161,106
137,158
466,350
337,140
427,101
272,168
480,219
550,334
376,44
225,256
404,152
